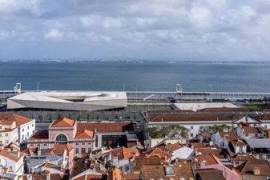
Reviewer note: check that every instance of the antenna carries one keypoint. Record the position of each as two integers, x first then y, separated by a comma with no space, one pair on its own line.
179,89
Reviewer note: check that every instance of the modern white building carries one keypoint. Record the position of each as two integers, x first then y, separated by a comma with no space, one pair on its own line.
15,128
68,100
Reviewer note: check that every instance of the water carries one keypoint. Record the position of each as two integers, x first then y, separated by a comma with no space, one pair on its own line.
136,76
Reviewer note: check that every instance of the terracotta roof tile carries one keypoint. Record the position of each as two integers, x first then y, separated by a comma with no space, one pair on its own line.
103,127
143,160
263,166
41,134
183,169
206,159
12,155
172,147
60,148
176,116
85,134
159,153
153,171
63,122
123,153
207,174
8,118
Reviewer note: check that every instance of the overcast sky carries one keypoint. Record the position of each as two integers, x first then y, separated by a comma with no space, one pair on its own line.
144,29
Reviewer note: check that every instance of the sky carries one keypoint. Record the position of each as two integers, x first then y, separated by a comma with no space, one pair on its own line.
135,29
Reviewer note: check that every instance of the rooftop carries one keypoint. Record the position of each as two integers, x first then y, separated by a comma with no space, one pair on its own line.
59,149
85,134
8,118
63,122
41,134
200,106
12,155
104,127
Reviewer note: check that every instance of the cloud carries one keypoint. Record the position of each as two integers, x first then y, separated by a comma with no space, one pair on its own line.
179,29
54,34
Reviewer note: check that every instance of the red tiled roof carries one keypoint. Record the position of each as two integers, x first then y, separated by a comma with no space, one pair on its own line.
41,134
85,134
143,160
14,156
176,116
251,165
8,118
60,148
159,153
208,159
207,174
63,122
123,153
103,127
172,147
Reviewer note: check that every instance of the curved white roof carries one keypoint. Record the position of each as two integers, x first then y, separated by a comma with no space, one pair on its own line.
69,100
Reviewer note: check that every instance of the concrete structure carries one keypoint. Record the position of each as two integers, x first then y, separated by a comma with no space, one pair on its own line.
68,100
15,128
200,106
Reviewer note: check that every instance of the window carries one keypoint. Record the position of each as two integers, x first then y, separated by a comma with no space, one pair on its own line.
89,150
89,143
6,134
83,143
27,127
61,138
96,141
45,144
77,150
83,150
0,135
32,125
77,143
6,141
191,127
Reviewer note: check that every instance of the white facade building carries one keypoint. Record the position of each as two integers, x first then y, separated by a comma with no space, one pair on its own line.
26,130
195,121
11,162
15,128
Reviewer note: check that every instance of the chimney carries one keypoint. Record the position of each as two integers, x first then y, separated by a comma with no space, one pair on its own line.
257,171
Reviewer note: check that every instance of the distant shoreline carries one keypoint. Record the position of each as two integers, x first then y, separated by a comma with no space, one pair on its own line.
130,61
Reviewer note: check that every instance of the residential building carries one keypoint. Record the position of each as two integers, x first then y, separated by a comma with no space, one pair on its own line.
11,162
194,121
15,128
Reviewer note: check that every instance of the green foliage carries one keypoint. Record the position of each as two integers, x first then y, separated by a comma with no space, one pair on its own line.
218,128
161,132
257,106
